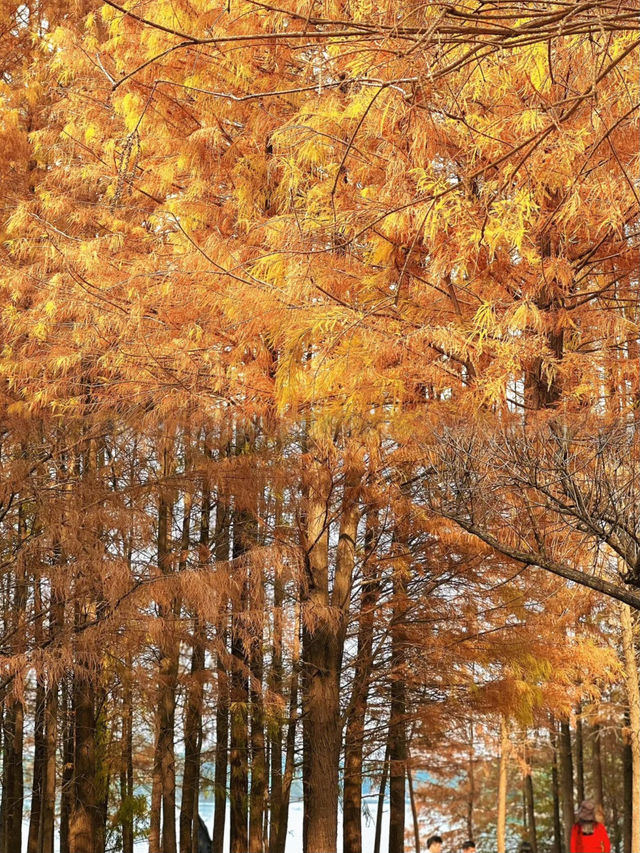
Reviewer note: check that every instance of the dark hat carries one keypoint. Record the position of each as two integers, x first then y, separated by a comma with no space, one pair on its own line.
587,811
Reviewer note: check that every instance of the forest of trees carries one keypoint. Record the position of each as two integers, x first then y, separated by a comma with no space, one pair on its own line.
319,423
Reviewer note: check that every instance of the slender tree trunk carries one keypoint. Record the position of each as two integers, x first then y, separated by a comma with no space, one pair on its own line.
566,781
555,791
381,796
39,742
193,710
66,793
222,542
471,795
627,788
633,698
47,822
13,737
12,777
222,739
289,764
596,765
354,734
579,743
258,790
155,811
239,699
83,819
126,764
39,769
530,809
414,811
397,720
164,774
505,749
276,684
49,792
192,740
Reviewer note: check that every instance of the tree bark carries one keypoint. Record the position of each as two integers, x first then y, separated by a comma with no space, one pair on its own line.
258,789
530,810
354,734
555,790
566,781
324,631
83,819
222,541
276,684
596,765
193,710
471,795
13,735
39,742
66,793
397,718
627,788
633,698
505,749
239,699
289,764
192,741
414,811
167,678
47,822
39,769
381,796
579,742
126,765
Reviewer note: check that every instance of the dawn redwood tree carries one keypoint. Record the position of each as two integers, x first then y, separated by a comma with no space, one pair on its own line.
377,240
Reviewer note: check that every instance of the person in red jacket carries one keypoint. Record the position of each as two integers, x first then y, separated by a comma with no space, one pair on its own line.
587,835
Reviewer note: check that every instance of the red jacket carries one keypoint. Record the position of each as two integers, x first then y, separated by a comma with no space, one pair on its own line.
597,842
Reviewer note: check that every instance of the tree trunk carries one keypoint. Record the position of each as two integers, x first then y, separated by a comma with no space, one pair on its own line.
239,698
633,697
579,742
555,790
627,788
505,748
276,684
39,768
126,765
12,776
47,822
289,764
193,710
414,811
471,795
83,819
39,743
222,541
324,631
596,765
164,758
192,741
397,718
381,796
13,738
66,793
354,734
566,782
258,790
46,837
530,810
